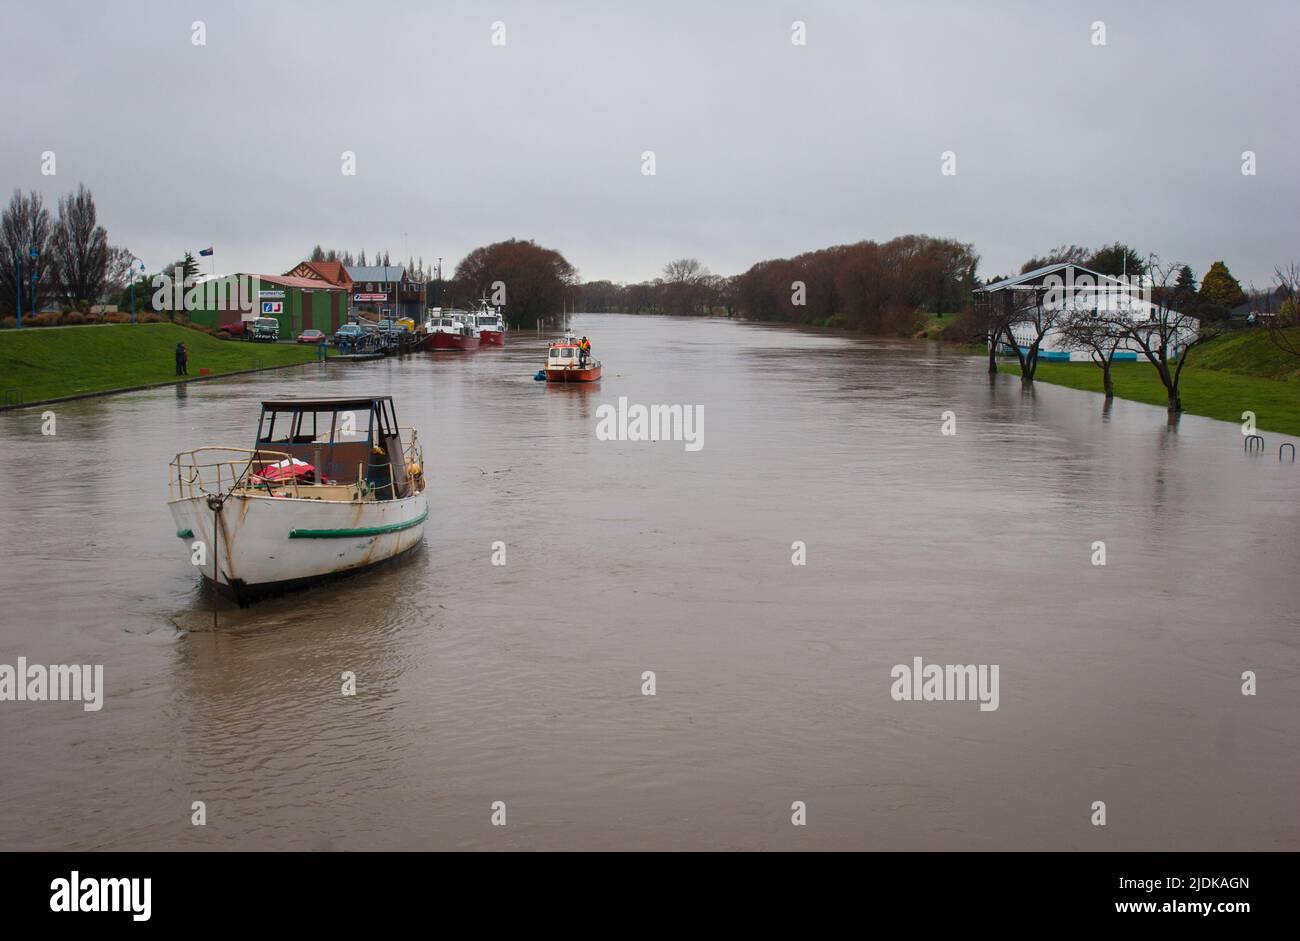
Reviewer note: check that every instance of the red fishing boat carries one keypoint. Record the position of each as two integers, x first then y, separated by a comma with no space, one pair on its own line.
450,330
565,362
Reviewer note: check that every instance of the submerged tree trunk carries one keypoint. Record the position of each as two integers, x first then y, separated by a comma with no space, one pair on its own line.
1106,384
1029,366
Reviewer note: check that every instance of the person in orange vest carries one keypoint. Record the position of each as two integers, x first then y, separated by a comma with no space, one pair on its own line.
584,351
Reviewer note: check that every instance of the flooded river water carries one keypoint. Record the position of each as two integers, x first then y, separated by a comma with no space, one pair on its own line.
523,683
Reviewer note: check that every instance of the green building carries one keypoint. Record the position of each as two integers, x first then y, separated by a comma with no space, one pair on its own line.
298,303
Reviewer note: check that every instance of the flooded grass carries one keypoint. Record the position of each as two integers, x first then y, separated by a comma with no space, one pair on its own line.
1209,392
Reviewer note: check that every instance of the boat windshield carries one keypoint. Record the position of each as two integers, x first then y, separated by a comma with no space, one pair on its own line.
344,440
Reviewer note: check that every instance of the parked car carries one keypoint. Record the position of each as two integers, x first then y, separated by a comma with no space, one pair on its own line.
238,329
266,330
310,336
352,333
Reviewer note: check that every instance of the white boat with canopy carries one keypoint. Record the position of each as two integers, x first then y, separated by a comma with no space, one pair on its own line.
330,487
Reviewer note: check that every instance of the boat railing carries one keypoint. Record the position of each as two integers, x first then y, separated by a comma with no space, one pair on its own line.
198,473
412,455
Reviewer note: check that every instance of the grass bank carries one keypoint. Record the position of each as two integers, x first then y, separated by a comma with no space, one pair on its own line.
1240,372
52,362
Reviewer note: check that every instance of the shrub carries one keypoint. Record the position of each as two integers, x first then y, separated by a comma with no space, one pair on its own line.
8,323
117,318
47,319
73,318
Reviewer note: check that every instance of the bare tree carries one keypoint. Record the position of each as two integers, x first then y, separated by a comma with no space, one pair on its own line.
1280,324
684,271
119,273
1037,317
1099,336
1169,332
686,285
80,248
24,227
989,317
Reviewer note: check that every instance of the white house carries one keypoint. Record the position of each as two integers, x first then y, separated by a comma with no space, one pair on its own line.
1063,288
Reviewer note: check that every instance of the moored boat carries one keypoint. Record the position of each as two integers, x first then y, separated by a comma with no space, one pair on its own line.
450,330
491,324
565,362
330,487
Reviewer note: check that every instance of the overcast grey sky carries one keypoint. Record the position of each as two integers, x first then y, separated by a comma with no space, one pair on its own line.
762,148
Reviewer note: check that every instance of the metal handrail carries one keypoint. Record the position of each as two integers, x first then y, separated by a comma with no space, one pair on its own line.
193,478
189,477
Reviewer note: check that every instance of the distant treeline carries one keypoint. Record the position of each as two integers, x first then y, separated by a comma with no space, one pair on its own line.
867,286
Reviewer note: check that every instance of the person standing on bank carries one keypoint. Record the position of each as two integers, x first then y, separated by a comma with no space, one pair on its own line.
182,360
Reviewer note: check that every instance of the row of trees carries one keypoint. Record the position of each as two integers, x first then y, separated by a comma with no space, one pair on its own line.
868,286
66,257
686,287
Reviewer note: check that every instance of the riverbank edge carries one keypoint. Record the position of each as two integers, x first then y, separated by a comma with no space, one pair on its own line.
151,385
1011,368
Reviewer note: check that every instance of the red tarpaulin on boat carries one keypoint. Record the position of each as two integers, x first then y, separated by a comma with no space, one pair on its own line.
284,470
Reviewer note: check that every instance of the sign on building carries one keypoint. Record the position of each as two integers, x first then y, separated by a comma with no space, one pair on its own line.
272,307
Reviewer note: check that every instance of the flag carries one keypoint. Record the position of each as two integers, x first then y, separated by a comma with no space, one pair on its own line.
205,251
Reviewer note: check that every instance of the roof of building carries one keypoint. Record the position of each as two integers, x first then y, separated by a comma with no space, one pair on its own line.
289,281
376,273
1032,277
332,271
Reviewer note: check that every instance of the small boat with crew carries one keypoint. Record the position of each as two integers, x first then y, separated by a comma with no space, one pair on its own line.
330,487
568,361
491,324
450,329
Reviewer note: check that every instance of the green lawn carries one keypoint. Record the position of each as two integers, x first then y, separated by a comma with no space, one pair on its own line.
1209,392
50,362
1250,353
935,324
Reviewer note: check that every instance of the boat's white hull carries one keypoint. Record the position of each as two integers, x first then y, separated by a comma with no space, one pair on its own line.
271,544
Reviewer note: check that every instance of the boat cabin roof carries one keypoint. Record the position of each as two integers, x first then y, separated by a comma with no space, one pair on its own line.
338,404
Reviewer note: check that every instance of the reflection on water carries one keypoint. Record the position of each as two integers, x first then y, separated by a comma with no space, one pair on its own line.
522,682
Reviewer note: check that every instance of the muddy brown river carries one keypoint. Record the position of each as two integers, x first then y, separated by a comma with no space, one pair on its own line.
524,683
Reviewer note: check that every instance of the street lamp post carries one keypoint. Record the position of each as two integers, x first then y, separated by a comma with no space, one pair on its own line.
33,254
18,286
130,266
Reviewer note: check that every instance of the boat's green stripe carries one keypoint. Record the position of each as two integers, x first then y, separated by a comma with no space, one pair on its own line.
362,531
